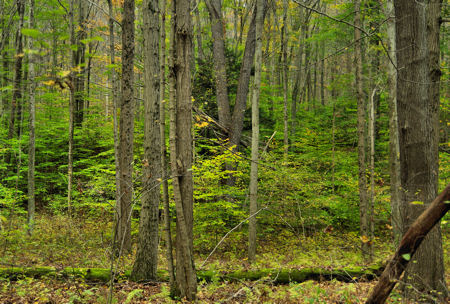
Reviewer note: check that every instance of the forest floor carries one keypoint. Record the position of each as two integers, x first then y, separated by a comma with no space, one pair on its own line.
85,242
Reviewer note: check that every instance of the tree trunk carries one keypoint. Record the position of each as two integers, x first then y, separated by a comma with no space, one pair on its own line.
362,180
200,55
394,149
284,45
162,126
17,85
418,77
145,265
32,124
413,238
255,132
79,64
115,102
217,29
71,110
243,83
126,127
181,149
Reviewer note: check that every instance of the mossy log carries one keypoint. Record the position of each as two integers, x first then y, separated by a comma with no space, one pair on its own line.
276,276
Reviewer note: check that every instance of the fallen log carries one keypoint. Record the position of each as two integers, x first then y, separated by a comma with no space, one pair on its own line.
408,246
276,276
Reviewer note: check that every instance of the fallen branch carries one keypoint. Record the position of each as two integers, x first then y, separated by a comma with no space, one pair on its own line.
408,246
276,276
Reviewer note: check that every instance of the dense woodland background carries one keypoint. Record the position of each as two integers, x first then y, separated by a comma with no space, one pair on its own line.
116,117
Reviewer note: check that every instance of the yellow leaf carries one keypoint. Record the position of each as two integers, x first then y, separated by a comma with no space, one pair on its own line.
64,74
49,82
416,203
364,239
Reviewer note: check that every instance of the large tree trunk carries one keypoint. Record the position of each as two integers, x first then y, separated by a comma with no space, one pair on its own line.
32,124
410,243
362,180
217,29
126,127
181,149
146,262
255,132
418,77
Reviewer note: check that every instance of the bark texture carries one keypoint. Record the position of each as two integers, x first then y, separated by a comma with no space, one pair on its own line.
362,180
145,265
181,149
162,126
115,101
394,149
32,127
255,132
126,127
217,29
418,77
18,75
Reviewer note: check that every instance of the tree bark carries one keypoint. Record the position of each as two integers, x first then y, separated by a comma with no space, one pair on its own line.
255,131
146,262
409,244
284,45
362,180
394,149
115,101
126,126
243,83
217,29
162,126
32,125
71,109
181,149
200,55
18,74
418,78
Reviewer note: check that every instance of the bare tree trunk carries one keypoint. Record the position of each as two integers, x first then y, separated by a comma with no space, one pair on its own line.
217,26
78,79
115,102
296,92
284,42
255,133
126,126
162,126
18,73
145,265
371,201
71,110
32,124
201,56
243,83
362,180
181,149
418,78
394,149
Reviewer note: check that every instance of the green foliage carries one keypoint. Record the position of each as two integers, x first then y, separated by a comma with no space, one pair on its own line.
218,207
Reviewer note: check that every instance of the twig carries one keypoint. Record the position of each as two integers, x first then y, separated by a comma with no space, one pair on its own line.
225,236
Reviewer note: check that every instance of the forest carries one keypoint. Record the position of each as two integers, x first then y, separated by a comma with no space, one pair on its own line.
224,151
